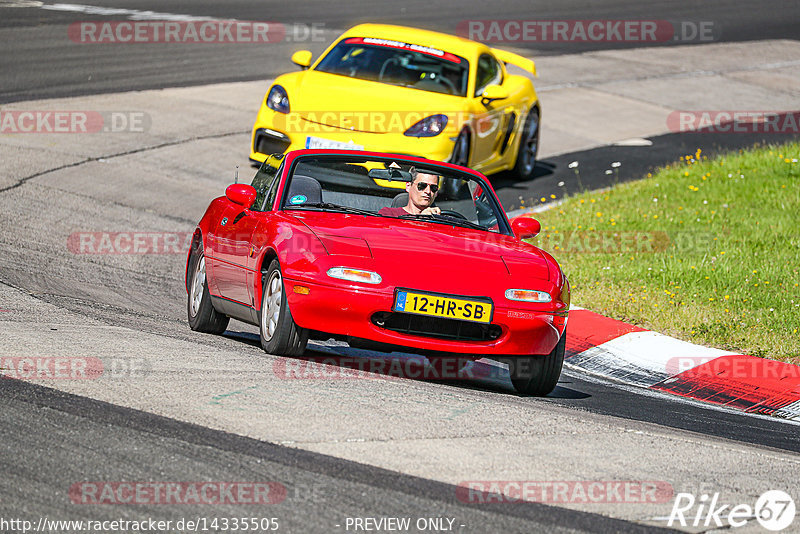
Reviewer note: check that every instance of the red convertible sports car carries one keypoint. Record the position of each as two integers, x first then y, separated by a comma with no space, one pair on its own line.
324,244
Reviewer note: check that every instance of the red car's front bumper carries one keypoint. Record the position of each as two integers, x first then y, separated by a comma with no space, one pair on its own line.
349,312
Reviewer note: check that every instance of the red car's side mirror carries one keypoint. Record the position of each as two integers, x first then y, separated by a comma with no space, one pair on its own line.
241,194
525,227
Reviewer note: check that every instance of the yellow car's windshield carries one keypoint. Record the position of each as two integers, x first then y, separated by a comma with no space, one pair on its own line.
398,63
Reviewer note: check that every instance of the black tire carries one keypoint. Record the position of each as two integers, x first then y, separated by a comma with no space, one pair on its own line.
278,331
528,147
202,315
538,375
461,149
460,156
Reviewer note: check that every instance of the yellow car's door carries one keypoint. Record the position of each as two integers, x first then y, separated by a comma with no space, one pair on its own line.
488,118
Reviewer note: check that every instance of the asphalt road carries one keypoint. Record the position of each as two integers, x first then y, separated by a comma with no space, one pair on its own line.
32,70
89,441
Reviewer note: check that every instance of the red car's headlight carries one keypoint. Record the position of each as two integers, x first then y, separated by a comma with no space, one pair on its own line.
528,295
355,275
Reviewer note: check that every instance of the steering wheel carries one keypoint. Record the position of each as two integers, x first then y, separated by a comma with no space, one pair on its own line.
453,213
390,61
446,81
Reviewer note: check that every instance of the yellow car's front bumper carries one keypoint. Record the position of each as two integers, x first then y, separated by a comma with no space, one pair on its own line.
275,132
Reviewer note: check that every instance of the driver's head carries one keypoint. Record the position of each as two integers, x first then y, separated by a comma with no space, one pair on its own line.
422,188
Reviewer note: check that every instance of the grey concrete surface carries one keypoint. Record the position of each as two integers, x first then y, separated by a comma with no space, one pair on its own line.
31,33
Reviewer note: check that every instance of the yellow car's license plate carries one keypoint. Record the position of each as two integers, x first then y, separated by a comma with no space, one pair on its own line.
450,307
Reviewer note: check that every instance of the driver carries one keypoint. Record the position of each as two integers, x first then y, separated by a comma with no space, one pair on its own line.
422,190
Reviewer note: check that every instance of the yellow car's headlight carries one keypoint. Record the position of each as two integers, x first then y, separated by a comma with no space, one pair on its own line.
277,99
428,127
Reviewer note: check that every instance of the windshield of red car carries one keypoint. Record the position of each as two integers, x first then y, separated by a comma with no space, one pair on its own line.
377,187
398,63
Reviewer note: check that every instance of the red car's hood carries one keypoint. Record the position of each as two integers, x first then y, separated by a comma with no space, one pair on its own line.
422,254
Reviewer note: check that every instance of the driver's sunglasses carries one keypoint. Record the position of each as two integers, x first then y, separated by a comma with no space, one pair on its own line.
421,186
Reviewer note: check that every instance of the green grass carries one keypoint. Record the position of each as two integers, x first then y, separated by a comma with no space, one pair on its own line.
706,250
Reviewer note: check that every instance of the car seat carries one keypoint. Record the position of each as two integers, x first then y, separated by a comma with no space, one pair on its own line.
307,187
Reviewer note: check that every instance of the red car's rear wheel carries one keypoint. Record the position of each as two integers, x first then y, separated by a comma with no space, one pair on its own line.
202,315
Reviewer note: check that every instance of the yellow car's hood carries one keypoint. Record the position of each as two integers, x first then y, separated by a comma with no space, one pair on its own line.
359,105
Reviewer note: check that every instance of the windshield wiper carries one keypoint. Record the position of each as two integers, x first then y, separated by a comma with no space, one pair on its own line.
445,219
337,207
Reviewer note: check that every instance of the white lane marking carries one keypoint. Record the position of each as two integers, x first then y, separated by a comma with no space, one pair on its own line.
644,358
602,362
790,411
132,14
21,3
582,374
634,141
534,209
661,353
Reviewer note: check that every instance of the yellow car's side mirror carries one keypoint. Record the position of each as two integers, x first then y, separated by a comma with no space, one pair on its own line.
302,58
492,93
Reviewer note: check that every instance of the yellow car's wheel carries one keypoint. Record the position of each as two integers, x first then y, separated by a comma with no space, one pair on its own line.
461,150
460,157
528,146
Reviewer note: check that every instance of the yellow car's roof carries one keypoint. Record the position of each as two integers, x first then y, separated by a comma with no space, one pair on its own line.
442,41
447,43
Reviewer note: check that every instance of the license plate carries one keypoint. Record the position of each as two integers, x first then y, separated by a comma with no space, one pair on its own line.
319,142
450,307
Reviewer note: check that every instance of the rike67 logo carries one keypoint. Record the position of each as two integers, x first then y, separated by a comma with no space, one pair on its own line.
774,510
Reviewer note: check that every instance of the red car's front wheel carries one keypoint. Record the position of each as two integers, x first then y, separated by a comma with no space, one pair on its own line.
279,333
538,375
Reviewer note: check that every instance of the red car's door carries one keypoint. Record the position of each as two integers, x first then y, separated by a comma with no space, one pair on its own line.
231,250
233,254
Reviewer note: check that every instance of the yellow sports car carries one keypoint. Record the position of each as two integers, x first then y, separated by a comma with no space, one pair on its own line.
408,91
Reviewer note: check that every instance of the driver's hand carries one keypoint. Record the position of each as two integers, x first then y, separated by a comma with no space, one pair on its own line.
433,210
